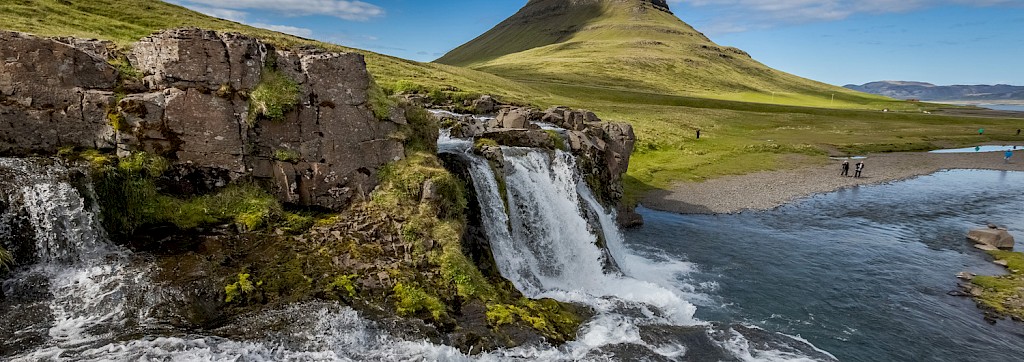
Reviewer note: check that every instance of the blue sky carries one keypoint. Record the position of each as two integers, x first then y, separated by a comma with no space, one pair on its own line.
834,41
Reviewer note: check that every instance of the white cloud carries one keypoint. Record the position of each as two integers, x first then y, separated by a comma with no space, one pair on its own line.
343,9
302,32
755,14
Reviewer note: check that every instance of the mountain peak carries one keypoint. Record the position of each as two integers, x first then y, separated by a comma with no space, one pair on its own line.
627,44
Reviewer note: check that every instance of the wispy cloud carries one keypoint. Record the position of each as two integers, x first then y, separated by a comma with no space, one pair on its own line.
343,9
744,15
242,17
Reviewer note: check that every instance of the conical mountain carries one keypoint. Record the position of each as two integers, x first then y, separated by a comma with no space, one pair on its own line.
627,44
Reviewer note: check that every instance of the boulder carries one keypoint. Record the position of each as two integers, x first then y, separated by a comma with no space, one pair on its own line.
997,238
485,104
52,95
514,118
197,58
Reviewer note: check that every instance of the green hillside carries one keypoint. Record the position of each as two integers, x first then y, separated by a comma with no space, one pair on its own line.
125,21
637,46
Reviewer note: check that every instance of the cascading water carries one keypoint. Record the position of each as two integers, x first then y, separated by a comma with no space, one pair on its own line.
86,278
76,296
543,243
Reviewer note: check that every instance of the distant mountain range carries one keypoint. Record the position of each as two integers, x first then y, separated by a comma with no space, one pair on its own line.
951,93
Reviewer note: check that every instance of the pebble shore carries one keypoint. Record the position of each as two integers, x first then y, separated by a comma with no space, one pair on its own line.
770,189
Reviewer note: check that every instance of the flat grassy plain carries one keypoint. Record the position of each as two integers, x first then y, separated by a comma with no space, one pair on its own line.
740,137
750,122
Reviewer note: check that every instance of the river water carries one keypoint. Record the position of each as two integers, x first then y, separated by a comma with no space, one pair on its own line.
861,273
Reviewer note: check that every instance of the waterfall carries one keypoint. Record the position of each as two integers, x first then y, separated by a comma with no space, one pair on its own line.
544,233
40,194
50,210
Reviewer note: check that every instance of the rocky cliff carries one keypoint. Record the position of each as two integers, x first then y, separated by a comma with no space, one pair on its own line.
189,95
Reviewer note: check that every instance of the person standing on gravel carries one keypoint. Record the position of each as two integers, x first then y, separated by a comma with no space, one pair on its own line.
1007,155
846,169
860,167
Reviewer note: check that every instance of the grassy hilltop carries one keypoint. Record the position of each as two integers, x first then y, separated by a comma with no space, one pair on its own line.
634,45
625,60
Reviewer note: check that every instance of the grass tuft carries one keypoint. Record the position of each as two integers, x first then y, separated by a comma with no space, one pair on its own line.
274,96
6,259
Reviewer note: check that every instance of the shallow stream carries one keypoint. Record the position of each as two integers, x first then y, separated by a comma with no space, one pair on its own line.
861,273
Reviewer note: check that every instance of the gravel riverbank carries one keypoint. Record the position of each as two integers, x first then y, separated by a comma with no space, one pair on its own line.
770,189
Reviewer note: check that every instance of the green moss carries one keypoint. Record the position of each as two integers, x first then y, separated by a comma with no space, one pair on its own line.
286,155
458,269
129,198
241,291
549,317
125,70
411,300
286,280
343,284
115,118
1004,294
380,103
485,142
274,96
451,196
297,223
557,140
422,131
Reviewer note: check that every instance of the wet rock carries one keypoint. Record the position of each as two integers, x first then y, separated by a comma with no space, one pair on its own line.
994,237
521,138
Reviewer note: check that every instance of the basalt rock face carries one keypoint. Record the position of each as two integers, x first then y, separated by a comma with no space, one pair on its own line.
52,95
194,110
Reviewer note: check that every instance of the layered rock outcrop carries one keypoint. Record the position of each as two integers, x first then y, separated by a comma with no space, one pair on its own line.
52,95
194,109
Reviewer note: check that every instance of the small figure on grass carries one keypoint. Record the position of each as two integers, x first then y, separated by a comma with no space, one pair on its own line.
846,169
860,168
698,133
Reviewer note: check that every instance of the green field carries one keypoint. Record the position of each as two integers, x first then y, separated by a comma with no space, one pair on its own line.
668,85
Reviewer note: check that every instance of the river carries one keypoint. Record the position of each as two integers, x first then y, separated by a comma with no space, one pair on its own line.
861,273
